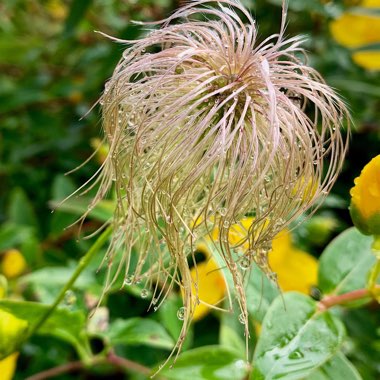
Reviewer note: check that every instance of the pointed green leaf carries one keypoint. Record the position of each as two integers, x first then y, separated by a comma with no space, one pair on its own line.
20,211
12,235
295,339
77,12
338,367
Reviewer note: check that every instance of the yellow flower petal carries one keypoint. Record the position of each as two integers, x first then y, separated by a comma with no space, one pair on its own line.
354,30
13,263
368,59
211,284
365,198
296,269
57,9
8,366
370,3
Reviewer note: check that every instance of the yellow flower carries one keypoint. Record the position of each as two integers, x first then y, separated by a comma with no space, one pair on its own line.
12,332
365,199
369,59
57,9
370,3
356,30
8,366
296,270
13,263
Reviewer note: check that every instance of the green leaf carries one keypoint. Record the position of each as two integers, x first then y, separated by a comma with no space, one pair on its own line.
47,282
260,292
12,235
231,333
207,363
20,210
62,187
77,12
295,339
103,211
345,263
136,331
338,367
63,323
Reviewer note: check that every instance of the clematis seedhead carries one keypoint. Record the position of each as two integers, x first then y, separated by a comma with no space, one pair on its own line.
206,127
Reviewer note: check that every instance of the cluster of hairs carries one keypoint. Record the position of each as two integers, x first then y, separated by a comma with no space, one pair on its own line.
206,126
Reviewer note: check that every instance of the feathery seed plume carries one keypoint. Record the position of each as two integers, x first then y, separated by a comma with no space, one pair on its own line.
206,127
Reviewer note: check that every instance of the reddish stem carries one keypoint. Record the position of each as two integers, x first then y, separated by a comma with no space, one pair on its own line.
112,359
330,301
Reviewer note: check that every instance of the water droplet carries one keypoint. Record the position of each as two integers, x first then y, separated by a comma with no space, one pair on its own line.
267,178
242,318
70,298
223,211
144,293
181,313
226,224
297,354
315,162
272,276
245,263
128,280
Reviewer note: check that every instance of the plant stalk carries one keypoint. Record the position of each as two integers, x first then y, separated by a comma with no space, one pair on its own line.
84,261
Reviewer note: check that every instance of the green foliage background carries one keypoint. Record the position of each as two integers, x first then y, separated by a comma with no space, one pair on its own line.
52,70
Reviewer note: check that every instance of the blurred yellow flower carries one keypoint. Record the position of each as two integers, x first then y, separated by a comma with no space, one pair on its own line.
101,149
365,199
296,270
13,263
370,3
354,30
57,9
12,332
8,366
357,30
368,59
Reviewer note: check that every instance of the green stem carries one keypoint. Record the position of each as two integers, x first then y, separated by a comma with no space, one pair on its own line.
84,261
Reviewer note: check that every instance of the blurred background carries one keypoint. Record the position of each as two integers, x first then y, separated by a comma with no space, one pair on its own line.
53,67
